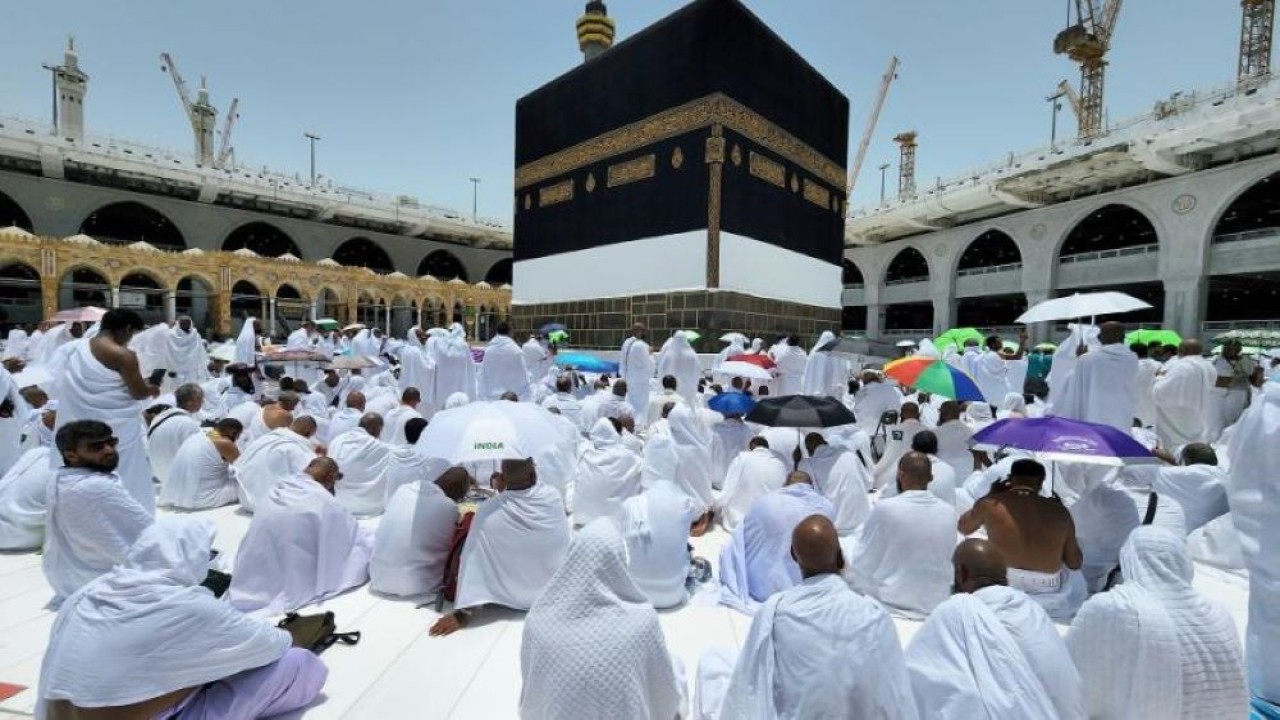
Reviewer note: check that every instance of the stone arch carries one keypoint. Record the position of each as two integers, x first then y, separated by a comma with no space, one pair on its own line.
434,313
194,295
143,291
443,265
852,275
330,304
20,298
1113,226
909,264
261,237
11,213
247,299
993,248
499,273
122,223
154,277
83,285
404,314
1255,207
363,252
292,307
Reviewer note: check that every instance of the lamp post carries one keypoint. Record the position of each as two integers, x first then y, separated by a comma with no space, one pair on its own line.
313,138
54,73
883,168
475,195
1055,101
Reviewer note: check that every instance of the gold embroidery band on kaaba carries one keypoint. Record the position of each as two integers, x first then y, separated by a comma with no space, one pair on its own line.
701,113
642,168
765,169
555,194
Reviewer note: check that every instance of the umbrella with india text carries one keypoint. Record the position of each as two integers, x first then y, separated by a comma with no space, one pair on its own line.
934,376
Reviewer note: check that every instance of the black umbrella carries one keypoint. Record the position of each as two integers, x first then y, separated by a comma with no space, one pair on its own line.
800,411
847,346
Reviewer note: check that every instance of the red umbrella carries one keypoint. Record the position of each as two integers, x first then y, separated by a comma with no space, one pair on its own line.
759,360
83,314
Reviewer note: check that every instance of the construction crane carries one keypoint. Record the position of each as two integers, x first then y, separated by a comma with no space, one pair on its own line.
226,152
907,144
1087,42
1073,98
201,114
889,76
1256,29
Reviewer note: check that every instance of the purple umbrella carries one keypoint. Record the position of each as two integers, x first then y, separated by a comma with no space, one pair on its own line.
1061,439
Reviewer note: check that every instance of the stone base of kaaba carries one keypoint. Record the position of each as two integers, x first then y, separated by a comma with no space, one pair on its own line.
603,324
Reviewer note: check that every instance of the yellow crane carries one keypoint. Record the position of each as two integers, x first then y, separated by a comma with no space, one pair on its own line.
1087,42
1256,29
889,76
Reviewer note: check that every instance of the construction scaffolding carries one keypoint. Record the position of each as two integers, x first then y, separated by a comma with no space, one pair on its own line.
1256,28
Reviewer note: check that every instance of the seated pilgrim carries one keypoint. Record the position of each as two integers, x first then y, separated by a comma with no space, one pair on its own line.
1035,535
281,453
729,438
755,472
943,484
412,543
200,475
817,650
902,554
516,543
92,520
146,641
607,473
302,546
273,414
398,417
897,442
1154,647
348,418
406,466
592,602
363,459
841,478
991,651
171,428
757,562
1194,479
656,526
22,499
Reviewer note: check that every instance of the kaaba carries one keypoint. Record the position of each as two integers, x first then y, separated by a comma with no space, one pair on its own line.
690,177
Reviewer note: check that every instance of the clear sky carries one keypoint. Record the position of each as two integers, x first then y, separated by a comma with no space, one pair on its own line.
416,96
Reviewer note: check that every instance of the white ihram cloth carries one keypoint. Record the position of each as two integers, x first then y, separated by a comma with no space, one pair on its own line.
735,348
897,443
188,360
791,361
636,367
819,650
23,491
656,525
363,460
842,479
872,401
455,371
393,424
607,474
503,370
1102,388
302,547
168,431
997,377
150,622
824,374
417,367
91,391
1255,498
406,467
954,441
678,360
279,454
16,345
247,344
92,522
199,477
752,474
412,543
1153,647
536,359
1201,490
1144,385
902,554
516,543
694,472
1183,401
942,486
728,439
342,421
657,401
1065,357
151,346
592,645
757,562
964,664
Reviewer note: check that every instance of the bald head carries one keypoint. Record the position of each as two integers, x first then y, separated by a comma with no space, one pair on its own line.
815,545
355,400
915,472
1190,348
910,411
372,424
949,410
978,564
325,471
1111,333
304,425
518,475
799,477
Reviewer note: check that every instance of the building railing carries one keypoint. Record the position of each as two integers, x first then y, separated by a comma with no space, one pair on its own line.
1221,326
1246,235
907,281
990,269
855,286
911,333
1104,254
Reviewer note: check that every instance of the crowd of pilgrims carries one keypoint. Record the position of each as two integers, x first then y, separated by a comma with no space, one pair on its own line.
832,531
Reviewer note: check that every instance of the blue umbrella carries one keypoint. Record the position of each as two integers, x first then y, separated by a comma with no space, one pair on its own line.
550,328
1056,438
586,363
732,403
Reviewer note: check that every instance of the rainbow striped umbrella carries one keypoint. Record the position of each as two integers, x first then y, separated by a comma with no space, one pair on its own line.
934,376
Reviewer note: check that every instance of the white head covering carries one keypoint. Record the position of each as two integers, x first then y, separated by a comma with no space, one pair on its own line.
694,469
592,643
1013,404
978,414
456,400
16,346
247,343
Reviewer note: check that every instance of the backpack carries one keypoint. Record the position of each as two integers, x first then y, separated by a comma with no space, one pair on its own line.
450,590
316,632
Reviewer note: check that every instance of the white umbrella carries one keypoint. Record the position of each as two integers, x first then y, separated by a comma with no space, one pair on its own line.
225,352
737,368
481,431
906,343
1088,305
731,337
351,362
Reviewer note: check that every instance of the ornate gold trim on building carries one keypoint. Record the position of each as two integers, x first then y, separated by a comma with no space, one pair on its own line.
766,169
590,184
641,168
817,194
555,194
677,158
704,112
715,189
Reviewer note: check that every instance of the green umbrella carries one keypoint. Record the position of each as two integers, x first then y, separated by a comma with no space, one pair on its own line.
693,335
327,324
956,337
1146,337
557,336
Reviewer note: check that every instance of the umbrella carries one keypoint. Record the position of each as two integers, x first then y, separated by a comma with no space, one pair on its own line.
761,360
1266,338
477,355
481,431
934,376
906,343
557,336
846,346
354,326
1056,438
226,352
735,336
800,411
1087,305
351,362
327,324
1046,347
81,314
1245,349
549,328
296,356
693,335
743,370
1146,337
586,363
732,403
956,338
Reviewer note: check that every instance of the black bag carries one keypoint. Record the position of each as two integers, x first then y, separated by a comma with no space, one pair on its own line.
217,582
316,632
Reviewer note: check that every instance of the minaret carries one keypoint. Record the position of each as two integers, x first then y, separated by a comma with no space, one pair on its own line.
71,84
595,30
203,117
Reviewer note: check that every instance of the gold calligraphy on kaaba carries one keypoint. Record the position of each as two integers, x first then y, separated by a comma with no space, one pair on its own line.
768,170
641,168
555,194
817,194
